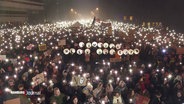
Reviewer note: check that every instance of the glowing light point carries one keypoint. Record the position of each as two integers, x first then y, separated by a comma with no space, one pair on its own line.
169,76
97,78
110,80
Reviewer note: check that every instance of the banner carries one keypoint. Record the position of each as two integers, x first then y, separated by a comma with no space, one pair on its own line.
79,81
180,50
42,47
115,59
101,51
39,78
12,101
2,57
117,56
62,42
141,99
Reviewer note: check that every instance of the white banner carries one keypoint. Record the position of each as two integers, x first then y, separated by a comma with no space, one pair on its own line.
2,57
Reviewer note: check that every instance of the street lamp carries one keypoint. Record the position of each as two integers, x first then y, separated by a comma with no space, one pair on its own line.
97,9
71,10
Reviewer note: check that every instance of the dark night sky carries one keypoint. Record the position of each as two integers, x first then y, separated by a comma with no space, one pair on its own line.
169,12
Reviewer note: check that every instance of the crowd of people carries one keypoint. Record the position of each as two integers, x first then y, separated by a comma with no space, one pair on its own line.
156,74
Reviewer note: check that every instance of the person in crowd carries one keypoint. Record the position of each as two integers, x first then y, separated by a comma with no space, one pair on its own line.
156,99
104,99
75,100
178,98
122,90
88,90
90,100
132,97
109,90
98,91
21,87
155,73
58,97
117,99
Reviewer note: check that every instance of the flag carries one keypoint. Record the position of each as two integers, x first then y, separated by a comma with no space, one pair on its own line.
93,23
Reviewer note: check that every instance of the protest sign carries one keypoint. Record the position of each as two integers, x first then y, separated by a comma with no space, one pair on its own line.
79,81
62,42
39,78
42,47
